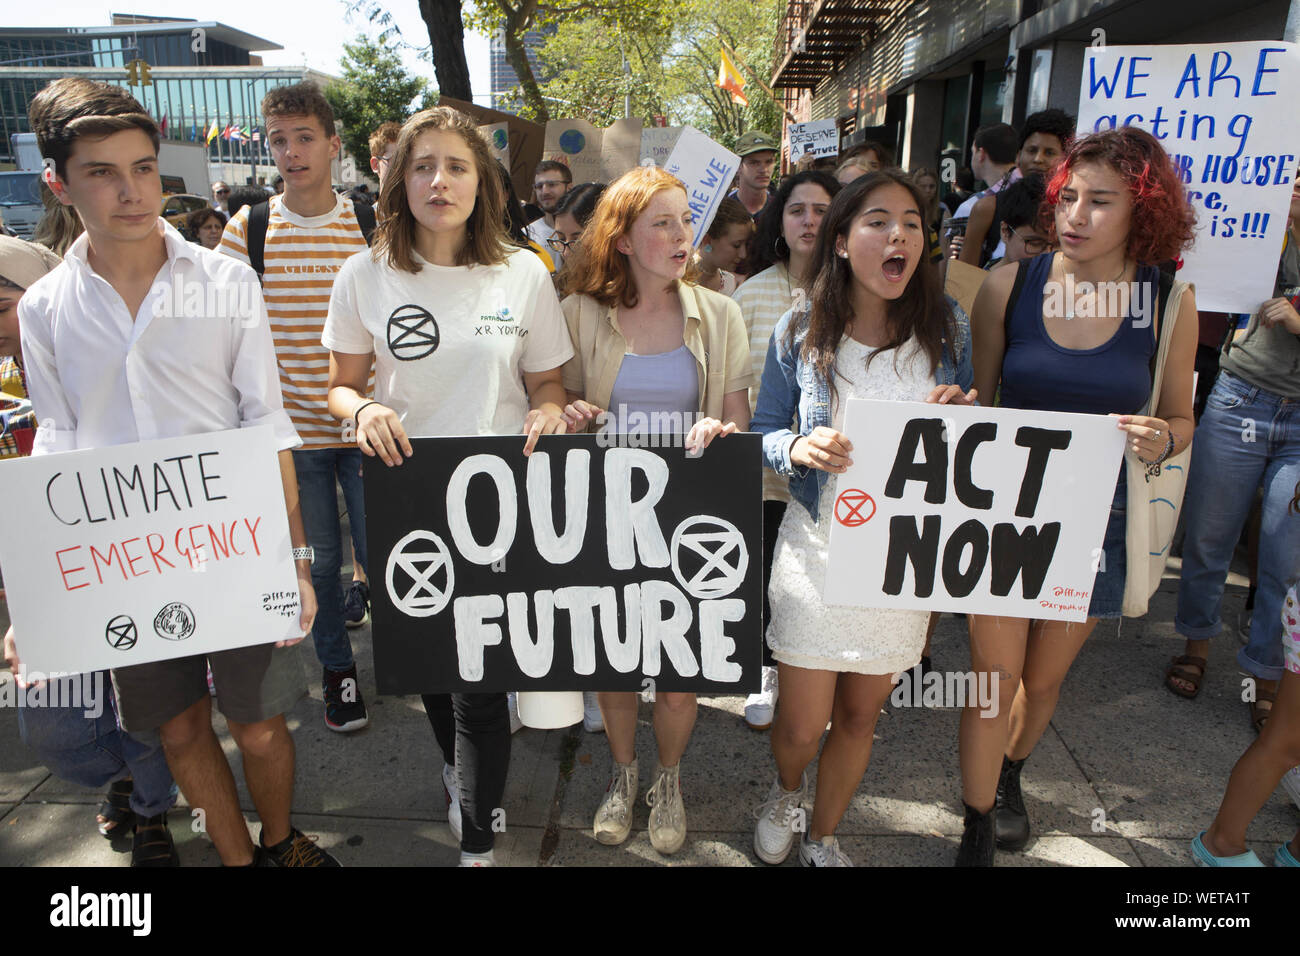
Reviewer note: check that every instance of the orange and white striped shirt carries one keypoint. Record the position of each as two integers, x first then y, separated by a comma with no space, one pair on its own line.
302,255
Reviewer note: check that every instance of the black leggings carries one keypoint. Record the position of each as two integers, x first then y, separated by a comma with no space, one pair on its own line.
473,731
773,512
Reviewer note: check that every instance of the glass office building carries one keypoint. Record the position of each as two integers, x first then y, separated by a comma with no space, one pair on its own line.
204,74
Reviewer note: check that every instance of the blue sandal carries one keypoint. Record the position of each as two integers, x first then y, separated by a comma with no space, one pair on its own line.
1204,857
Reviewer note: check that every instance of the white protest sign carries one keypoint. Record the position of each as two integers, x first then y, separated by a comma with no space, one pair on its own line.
144,552
818,138
707,169
1225,112
657,143
971,509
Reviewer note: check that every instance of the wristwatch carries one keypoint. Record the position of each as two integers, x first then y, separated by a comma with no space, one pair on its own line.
304,554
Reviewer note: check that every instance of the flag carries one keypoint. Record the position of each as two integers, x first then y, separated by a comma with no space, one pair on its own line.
213,132
729,79
236,135
194,133
162,127
245,134
257,134
225,133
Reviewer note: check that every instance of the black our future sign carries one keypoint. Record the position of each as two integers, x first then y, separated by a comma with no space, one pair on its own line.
582,567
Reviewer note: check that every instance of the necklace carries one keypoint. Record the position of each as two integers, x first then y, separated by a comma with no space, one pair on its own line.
1069,305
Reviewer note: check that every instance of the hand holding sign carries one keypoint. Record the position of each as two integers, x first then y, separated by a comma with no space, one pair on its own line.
381,433
1280,310
579,414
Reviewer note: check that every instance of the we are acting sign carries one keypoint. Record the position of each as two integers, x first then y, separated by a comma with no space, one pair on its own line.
970,509
581,567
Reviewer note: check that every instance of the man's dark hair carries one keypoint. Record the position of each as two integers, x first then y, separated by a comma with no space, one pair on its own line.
1054,122
1000,141
1018,204
73,107
242,196
580,202
965,178
551,166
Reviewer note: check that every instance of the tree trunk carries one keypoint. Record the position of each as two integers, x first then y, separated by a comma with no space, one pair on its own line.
447,35
517,23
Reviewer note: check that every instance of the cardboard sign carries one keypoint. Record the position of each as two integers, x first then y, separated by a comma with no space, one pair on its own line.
1225,112
707,169
497,136
978,510
963,282
149,551
657,143
818,138
594,155
581,567
525,141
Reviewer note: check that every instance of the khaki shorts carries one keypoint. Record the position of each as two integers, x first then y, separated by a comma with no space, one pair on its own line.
253,684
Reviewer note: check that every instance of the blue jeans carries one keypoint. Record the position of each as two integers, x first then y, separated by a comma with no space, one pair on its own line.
318,469
81,742
1246,436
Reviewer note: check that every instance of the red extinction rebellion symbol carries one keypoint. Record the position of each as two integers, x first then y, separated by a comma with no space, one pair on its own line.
849,505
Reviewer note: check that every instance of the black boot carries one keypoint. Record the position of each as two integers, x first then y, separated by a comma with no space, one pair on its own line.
1012,826
977,840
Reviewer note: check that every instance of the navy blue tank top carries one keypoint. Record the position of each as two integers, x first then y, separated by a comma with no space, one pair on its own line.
1039,374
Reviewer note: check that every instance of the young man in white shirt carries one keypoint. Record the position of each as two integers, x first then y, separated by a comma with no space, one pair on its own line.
550,182
307,235
101,366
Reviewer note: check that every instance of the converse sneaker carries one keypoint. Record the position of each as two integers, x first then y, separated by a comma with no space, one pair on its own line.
823,852
614,815
774,835
477,859
452,791
298,849
344,709
356,604
760,707
592,720
667,812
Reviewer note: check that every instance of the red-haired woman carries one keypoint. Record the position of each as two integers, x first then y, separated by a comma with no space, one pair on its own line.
1118,209
650,347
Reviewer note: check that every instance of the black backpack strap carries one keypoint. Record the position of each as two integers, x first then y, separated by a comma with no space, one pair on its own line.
259,217
1016,287
365,218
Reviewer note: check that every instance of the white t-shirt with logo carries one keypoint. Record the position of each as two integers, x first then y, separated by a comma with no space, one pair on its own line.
451,344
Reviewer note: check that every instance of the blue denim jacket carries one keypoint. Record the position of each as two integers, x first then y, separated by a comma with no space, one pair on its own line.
793,391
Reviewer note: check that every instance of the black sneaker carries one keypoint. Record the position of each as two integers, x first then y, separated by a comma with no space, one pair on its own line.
297,849
152,844
344,709
356,604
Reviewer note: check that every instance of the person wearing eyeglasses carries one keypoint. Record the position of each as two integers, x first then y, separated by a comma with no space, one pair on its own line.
571,218
1023,235
551,181
220,193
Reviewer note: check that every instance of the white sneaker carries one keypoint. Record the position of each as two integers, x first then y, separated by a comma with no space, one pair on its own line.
477,859
1291,783
824,852
760,707
452,791
592,721
774,835
614,815
667,812
512,702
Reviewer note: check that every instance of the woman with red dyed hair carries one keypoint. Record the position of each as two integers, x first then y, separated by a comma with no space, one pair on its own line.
659,352
1075,331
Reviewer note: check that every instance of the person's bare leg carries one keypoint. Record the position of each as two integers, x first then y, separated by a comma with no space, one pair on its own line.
267,748
674,719
807,698
858,699
199,767
1051,649
1256,775
997,648
619,712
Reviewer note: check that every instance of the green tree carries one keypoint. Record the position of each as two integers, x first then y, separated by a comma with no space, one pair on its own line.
374,89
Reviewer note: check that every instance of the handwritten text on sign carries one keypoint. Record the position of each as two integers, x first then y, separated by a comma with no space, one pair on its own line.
1226,114
706,169
581,567
817,138
143,552
979,510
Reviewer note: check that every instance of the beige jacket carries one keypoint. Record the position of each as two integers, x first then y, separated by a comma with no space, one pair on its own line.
715,334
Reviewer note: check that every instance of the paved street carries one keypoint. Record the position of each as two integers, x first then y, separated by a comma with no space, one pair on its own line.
1121,749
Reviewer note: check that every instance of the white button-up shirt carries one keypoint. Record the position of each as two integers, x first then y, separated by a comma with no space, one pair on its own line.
197,358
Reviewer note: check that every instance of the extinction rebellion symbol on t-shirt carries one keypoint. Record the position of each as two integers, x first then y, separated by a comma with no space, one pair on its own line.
412,333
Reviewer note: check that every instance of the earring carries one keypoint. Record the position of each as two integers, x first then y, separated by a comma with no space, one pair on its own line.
706,249
776,247
842,254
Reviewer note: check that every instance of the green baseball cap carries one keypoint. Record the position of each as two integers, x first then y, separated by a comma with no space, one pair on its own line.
755,142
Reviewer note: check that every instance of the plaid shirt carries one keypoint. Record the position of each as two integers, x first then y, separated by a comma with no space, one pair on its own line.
15,409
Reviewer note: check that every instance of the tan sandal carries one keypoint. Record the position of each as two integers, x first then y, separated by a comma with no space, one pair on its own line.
1188,668
1259,715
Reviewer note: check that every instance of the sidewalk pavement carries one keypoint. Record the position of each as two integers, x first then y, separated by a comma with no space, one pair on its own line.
1126,775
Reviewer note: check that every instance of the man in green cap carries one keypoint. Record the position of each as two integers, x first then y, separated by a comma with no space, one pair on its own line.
757,152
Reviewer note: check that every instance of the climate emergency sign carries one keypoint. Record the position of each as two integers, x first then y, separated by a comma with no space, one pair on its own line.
970,509
582,567
143,552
